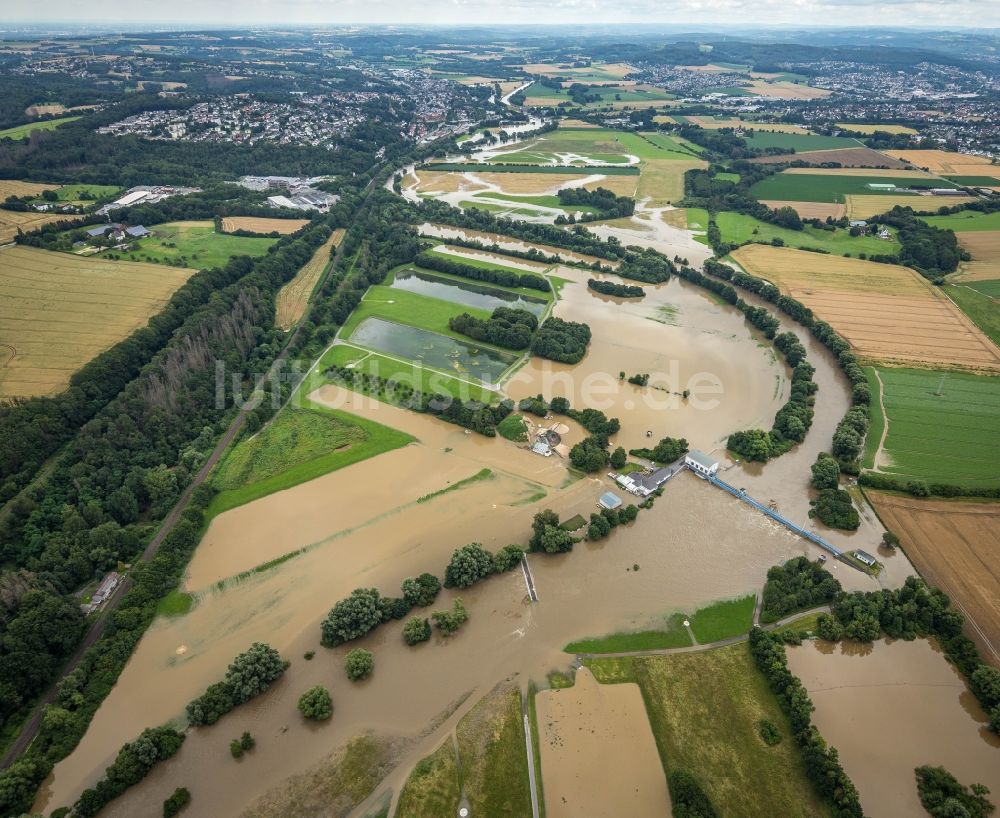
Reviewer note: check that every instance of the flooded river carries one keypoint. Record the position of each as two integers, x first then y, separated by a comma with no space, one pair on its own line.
696,545
599,759
379,521
680,337
891,707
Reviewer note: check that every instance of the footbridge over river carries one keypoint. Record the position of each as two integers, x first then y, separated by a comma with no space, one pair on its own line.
774,515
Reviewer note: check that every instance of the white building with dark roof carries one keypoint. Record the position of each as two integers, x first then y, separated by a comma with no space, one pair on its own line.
701,463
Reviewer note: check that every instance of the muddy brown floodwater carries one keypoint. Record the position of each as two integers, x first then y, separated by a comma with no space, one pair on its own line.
680,337
891,707
599,759
379,521
696,545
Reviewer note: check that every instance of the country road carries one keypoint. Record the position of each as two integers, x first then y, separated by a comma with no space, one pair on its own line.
33,723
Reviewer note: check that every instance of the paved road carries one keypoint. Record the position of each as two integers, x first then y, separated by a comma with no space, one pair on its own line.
709,646
34,721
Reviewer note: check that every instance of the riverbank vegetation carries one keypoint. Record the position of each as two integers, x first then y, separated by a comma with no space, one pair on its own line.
798,585
248,675
506,327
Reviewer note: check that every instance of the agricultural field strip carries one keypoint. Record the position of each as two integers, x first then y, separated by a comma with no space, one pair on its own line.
953,544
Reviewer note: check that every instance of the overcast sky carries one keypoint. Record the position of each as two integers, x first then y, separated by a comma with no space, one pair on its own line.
800,13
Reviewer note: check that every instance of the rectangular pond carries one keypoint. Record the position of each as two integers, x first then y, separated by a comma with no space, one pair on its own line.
468,295
431,349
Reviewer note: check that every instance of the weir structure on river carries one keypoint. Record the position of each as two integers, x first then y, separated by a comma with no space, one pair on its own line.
770,512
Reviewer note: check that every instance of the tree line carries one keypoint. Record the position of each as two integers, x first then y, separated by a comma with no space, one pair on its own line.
506,327
617,290
505,278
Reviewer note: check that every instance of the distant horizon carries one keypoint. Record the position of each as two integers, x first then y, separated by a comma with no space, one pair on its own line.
913,15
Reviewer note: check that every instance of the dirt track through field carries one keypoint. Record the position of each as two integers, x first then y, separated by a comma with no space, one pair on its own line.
887,313
954,544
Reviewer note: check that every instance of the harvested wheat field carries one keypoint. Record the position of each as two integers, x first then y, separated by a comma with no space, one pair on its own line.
11,222
948,163
259,224
886,312
786,90
713,123
867,128
292,299
810,210
848,157
12,187
443,181
661,181
864,206
57,311
954,545
984,247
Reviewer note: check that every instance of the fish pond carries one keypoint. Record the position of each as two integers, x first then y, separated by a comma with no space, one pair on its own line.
433,350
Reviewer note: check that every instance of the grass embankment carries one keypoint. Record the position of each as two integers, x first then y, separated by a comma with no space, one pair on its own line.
297,446
493,757
943,426
419,377
24,131
673,635
334,787
408,308
982,310
720,620
194,244
176,603
433,788
474,262
723,620
737,228
705,709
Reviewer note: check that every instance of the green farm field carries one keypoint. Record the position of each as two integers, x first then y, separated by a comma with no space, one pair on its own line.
409,308
298,445
737,228
705,709
24,131
195,244
943,427
966,221
799,142
829,187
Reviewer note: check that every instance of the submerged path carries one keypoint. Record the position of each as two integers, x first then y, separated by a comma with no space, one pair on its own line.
531,756
721,643
34,721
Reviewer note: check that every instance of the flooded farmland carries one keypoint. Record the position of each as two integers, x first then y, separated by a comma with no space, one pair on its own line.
891,707
599,759
685,341
468,295
696,545
404,512
433,350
